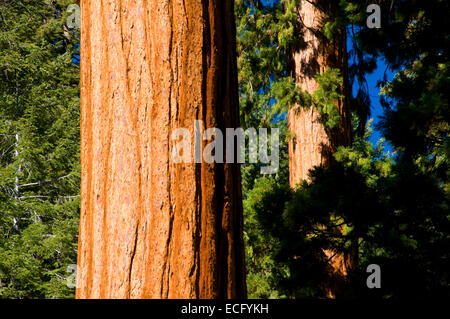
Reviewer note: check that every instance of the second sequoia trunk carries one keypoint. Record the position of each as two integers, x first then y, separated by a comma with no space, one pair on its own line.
311,145
151,228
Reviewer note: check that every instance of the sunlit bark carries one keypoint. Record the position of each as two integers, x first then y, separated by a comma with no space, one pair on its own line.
151,228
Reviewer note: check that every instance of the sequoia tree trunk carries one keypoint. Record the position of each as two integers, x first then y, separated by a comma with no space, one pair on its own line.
311,144
151,228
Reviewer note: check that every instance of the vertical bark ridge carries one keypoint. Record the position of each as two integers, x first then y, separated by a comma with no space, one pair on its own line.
86,156
151,228
109,120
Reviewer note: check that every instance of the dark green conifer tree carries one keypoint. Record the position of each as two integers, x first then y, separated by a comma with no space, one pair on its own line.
395,206
39,149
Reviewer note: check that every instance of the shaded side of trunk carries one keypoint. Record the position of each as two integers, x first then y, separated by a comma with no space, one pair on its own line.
311,145
151,228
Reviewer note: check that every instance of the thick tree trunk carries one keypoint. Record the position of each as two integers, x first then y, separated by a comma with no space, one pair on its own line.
311,145
151,228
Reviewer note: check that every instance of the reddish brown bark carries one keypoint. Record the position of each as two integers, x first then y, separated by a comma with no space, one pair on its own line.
151,228
311,145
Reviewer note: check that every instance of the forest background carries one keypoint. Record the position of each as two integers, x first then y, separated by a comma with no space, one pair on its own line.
390,187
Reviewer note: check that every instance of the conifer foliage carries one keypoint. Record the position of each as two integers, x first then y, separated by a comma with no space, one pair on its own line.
39,149
387,209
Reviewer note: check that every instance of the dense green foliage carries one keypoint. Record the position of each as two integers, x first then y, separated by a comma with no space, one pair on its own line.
39,147
265,35
387,209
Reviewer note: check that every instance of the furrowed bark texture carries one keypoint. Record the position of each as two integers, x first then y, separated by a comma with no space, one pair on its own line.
311,145
151,228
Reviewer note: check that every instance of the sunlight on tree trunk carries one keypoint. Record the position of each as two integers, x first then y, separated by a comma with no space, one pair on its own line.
151,228
310,144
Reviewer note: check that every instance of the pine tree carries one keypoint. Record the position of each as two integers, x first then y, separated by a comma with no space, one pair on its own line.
264,35
395,207
39,147
319,66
